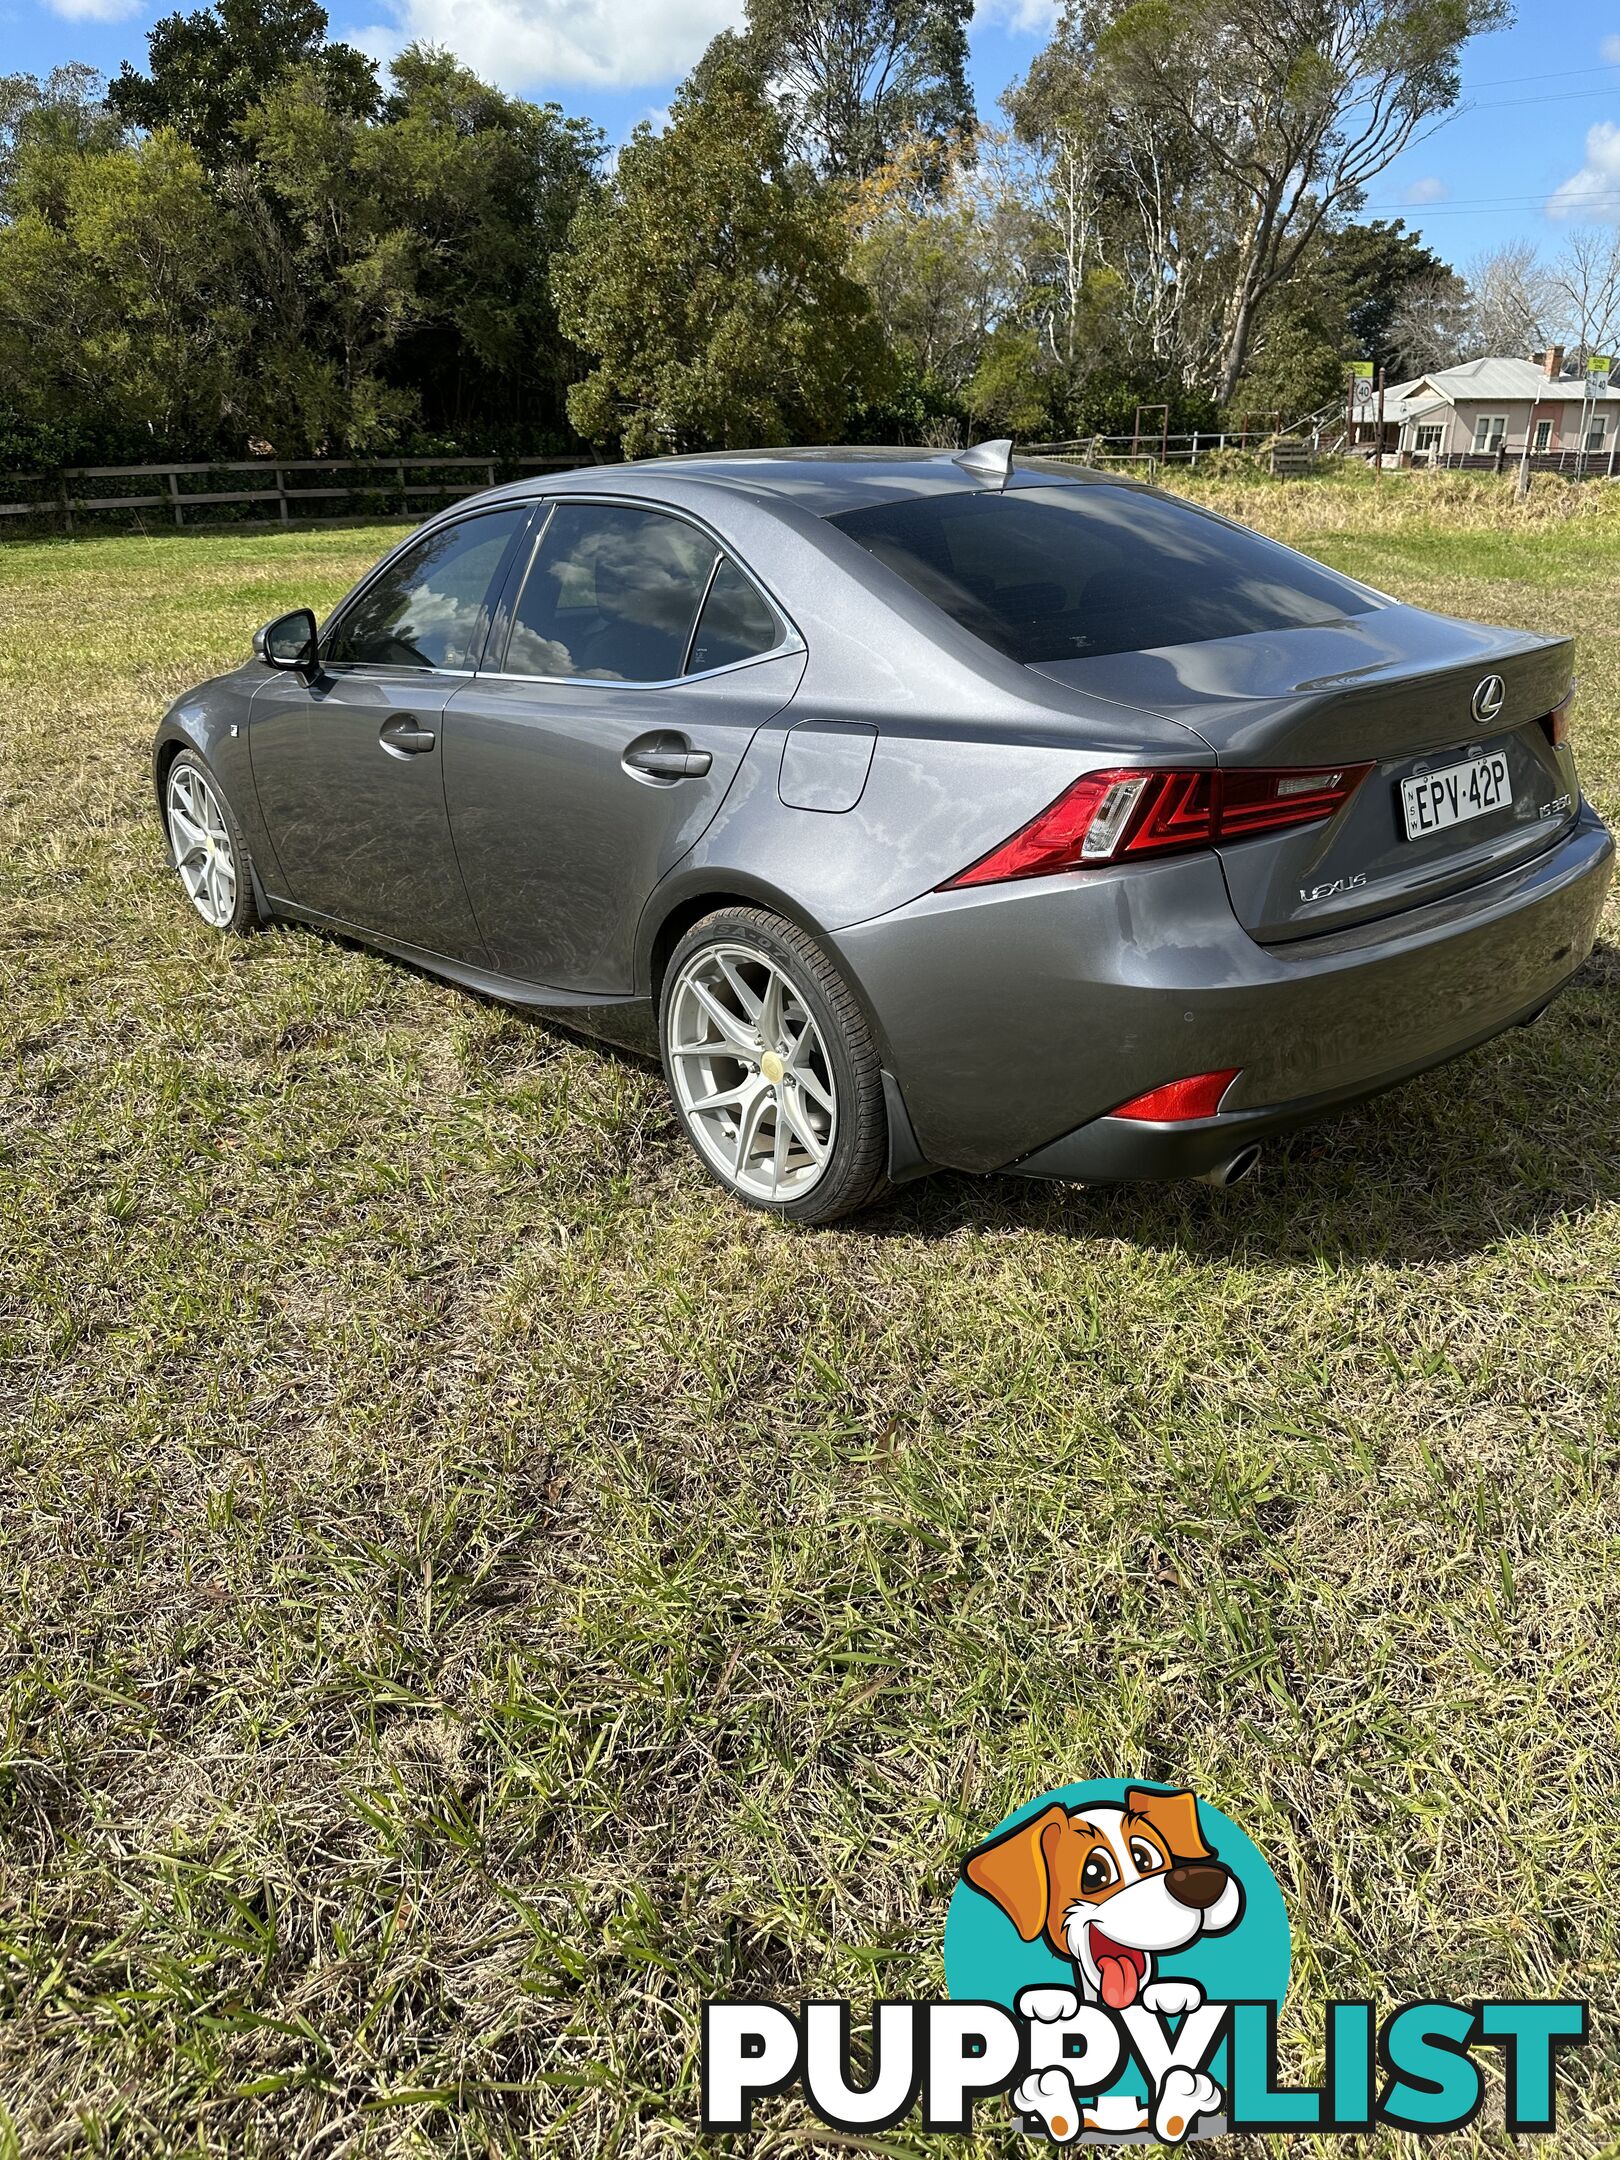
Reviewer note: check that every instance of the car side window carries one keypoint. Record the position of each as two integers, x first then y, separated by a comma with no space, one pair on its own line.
737,622
612,593
426,609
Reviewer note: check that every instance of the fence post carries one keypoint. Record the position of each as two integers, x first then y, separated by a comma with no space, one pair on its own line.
67,505
1195,447
1613,447
281,496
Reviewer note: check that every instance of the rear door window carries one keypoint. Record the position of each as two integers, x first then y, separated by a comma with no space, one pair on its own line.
612,593
1066,572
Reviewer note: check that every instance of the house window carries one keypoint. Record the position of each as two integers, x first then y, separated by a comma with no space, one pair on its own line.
1489,431
1597,433
1429,440
1543,434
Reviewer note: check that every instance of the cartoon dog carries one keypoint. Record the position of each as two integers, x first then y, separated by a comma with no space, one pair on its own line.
1112,1887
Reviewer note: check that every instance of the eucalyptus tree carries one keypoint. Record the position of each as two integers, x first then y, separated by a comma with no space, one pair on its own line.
854,78
1230,134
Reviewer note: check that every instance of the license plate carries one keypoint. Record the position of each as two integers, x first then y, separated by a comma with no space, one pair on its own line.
1453,796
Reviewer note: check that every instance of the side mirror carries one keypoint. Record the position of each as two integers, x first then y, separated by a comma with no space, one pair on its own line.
289,642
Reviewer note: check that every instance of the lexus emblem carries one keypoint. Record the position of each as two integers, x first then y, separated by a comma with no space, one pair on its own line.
1489,698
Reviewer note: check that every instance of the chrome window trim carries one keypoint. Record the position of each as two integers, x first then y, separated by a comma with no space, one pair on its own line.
792,642
619,682
378,669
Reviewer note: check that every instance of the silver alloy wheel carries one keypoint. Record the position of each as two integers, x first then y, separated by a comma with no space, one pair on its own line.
201,841
752,1072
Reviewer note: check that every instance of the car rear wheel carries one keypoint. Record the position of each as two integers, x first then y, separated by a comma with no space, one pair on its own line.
206,844
773,1068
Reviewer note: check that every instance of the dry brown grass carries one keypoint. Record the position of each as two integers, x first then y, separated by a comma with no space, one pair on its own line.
469,1592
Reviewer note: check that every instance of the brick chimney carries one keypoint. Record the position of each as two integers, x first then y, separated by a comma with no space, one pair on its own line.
1553,361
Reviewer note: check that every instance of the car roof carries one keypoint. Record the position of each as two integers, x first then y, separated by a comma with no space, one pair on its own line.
827,481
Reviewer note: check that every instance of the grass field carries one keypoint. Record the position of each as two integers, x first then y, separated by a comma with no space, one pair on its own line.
468,1592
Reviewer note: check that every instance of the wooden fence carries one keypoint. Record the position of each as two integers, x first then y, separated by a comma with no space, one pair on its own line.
283,489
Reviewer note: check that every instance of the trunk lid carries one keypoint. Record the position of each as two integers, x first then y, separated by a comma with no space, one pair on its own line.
1394,689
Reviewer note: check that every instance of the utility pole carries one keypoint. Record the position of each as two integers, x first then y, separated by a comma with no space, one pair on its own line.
1378,454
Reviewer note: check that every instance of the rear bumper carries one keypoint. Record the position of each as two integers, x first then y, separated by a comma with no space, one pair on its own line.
1016,1017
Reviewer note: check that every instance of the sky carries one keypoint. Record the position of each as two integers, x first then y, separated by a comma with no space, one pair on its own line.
1534,148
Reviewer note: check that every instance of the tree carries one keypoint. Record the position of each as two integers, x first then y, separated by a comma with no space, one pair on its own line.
1430,325
120,298
710,282
1511,301
1585,283
856,77
210,69
1343,303
943,262
50,123
489,186
1134,265
1241,128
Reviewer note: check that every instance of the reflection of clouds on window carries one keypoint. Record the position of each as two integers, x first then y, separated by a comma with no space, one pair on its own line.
531,654
613,592
426,611
440,625
645,575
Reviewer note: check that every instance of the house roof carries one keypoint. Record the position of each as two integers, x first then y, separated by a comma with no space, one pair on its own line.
1482,381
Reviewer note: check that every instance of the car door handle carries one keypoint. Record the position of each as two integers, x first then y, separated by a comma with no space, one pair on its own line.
403,737
666,757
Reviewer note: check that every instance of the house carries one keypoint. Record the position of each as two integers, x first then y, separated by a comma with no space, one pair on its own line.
1485,408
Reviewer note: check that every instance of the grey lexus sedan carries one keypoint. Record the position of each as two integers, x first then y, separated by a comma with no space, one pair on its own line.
918,810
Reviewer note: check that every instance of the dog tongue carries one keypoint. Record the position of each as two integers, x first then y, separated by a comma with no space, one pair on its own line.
1118,1977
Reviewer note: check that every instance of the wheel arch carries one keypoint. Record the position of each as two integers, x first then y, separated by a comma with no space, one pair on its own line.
663,928
164,752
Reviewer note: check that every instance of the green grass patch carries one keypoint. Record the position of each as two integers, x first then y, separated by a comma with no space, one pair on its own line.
469,1591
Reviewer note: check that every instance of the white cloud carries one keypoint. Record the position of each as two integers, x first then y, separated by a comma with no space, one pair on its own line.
1594,192
1026,18
105,11
1429,189
1611,51
536,44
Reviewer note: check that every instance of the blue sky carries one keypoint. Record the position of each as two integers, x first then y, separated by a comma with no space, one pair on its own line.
1536,148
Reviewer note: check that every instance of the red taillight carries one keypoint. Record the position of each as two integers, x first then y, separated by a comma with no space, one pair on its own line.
1198,1097
1109,815
1556,723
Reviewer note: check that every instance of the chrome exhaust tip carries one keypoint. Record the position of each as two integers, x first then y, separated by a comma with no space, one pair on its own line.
1235,1168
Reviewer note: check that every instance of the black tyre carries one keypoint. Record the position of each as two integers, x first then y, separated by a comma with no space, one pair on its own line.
207,848
772,1067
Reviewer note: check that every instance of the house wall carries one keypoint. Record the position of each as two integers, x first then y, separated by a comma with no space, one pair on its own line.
1564,414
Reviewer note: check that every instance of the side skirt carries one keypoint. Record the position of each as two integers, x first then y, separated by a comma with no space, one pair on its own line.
629,1022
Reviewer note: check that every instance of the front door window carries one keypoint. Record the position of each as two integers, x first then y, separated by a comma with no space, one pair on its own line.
426,609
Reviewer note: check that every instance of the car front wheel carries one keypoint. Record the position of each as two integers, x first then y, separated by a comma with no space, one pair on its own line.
206,844
772,1067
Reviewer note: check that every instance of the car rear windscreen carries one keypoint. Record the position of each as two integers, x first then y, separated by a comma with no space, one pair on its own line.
1061,573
